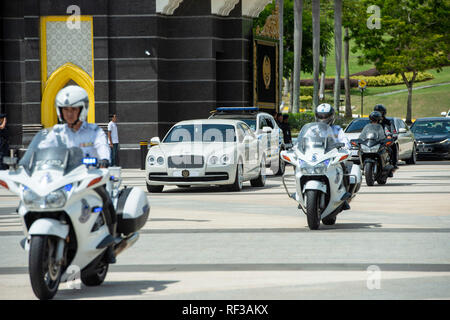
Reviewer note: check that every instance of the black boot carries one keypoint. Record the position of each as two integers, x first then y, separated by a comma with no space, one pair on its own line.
346,206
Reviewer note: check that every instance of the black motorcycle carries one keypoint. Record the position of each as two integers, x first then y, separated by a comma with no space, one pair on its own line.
374,157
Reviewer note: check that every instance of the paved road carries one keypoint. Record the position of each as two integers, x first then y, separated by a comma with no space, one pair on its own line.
202,243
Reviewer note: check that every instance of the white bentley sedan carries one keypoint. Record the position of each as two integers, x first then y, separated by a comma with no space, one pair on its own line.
206,152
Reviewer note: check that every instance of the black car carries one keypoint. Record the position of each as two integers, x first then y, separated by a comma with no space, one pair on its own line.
433,137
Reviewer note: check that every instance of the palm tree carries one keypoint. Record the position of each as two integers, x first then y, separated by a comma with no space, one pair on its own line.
316,49
348,103
280,51
298,13
338,51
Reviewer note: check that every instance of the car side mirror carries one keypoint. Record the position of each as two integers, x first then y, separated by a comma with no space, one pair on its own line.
154,141
267,129
402,130
443,114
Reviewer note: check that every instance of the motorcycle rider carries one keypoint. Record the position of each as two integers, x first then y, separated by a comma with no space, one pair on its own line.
389,130
72,105
374,125
325,113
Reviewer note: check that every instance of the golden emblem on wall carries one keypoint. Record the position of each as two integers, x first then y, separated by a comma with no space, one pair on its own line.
266,72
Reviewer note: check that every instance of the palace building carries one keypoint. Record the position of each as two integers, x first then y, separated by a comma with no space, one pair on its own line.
152,62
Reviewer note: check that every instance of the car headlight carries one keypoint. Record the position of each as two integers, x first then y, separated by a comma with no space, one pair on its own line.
151,160
445,141
160,161
213,160
225,160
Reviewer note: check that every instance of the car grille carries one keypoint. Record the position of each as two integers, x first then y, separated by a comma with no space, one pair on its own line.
209,176
185,161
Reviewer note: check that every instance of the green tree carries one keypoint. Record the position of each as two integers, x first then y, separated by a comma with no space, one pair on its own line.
411,36
326,35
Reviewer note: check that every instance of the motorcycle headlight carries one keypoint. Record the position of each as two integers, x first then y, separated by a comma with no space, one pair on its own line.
319,168
56,199
370,149
29,197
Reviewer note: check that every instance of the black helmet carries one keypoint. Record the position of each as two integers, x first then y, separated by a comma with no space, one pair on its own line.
375,116
324,113
380,108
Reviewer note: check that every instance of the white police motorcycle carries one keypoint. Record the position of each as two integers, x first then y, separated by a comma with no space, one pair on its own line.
65,209
323,188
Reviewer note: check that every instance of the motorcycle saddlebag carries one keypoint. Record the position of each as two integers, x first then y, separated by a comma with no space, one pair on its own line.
132,210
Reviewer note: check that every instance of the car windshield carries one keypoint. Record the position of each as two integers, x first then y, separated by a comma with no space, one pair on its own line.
316,135
357,125
201,133
58,157
440,127
251,123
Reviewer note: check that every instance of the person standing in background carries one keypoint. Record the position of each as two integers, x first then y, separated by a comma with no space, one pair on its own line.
4,146
113,139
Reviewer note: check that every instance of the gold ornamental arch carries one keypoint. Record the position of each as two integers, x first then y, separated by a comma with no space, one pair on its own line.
56,82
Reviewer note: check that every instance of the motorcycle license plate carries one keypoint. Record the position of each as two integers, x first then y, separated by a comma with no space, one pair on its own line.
354,153
186,173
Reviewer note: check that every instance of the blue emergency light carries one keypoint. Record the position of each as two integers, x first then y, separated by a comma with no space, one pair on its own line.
90,161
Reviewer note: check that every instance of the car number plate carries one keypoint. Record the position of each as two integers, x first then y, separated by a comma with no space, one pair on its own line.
424,149
192,173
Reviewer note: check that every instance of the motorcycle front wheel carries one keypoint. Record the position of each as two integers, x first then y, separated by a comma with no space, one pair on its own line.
313,209
369,174
45,273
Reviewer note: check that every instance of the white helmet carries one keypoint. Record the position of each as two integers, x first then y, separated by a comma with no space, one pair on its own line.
72,96
324,113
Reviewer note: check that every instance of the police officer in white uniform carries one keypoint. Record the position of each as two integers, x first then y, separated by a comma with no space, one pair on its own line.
325,113
72,105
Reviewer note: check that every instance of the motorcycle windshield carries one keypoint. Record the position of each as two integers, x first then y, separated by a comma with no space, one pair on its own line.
372,134
316,135
58,157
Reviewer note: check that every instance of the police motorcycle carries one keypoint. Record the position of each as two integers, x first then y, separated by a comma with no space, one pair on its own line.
65,209
323,186
374,156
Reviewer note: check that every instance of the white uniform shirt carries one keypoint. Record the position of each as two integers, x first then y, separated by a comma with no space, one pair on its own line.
112,127
90,138
339,135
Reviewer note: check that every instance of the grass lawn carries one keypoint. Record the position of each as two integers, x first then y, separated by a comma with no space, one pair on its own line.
429,102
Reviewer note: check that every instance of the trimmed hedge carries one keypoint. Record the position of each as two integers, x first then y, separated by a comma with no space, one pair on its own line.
392,79
298,120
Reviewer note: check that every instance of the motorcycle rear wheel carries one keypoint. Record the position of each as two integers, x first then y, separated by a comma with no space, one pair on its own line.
45,274
312,209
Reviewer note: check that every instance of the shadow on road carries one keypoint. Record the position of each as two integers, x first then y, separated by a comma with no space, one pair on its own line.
114,288
350,226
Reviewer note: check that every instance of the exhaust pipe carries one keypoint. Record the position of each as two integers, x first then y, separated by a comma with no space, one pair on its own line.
126,243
